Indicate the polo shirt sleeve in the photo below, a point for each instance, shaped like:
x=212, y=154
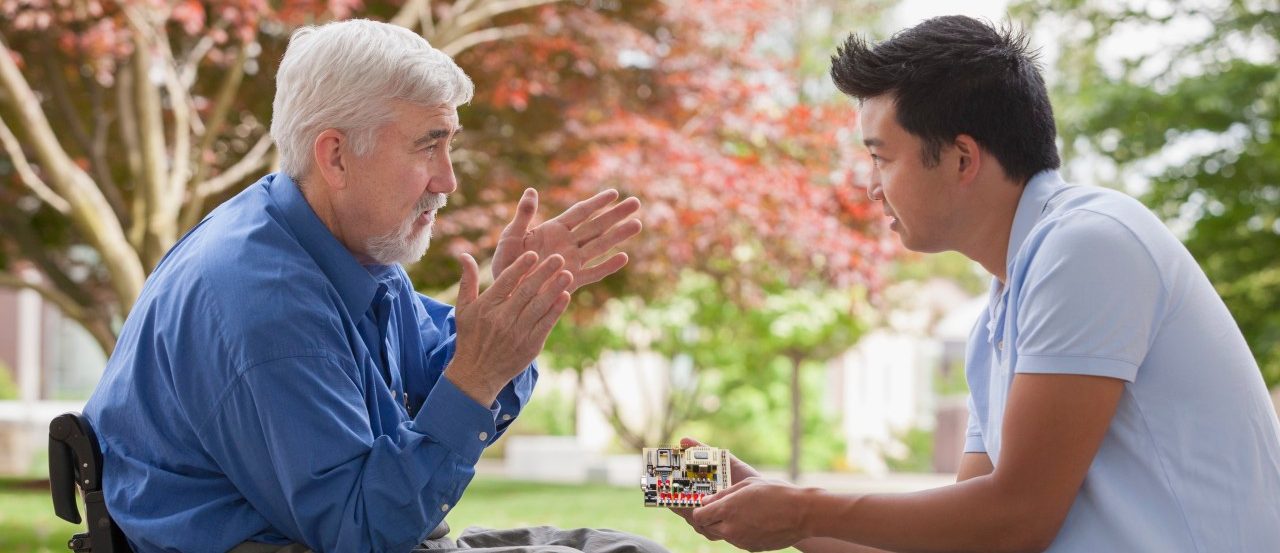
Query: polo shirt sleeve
x=973, y=433
x=1091, y=300
x=294, y=436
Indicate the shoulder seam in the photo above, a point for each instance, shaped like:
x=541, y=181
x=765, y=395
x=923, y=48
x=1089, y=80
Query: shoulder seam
x=314, y=353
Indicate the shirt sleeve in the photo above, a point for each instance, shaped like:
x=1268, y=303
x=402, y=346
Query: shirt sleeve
x=1091, y=300
x=973, y=433
x=294, y=436
x=439, y=321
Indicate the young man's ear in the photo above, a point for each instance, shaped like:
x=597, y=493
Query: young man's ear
x=968, y=158
x=329, y=151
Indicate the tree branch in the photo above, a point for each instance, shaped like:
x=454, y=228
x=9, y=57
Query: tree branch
x=129, y=133
x=410, y=13
x=462, y=43
x=64, y=302
x=98, y=152
x=29, y=176
x=15, y=225
x=252, y=161
x=465, y=22
x=66, y=305
x=226, y=95
x=90, y=213
x=155, y=167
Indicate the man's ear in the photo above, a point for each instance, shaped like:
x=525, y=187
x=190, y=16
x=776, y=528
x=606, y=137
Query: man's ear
x=329, y=153
x=969, y=158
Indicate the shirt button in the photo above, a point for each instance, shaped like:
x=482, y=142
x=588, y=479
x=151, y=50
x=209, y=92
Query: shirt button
x=444, y=508
x=506, y=417
x=484, y=436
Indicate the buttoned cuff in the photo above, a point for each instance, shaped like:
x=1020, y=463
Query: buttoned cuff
x=456, y=421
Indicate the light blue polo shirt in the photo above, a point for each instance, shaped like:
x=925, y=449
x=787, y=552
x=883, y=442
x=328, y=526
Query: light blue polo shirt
x=1097, y=285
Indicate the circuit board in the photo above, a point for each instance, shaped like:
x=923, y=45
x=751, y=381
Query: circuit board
x=683, y=477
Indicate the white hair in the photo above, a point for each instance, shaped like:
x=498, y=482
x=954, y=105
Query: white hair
x=344, y=75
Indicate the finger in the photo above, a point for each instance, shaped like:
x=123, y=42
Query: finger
x=533, y=282
x=716, y=497
x=583, y=210
x=618, y=234
x=706, y=515
x=525, y=210
x=597, y=225
x=542, y=328
x=469, y=285
x=690, y=442
x=510, y=277
x=597, y=273
x=545, y=298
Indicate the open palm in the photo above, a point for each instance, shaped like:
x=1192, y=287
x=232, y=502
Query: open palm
x=581, y=235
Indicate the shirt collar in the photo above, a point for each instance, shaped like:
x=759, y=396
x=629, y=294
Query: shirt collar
x=353, y=282
x=1035, y=199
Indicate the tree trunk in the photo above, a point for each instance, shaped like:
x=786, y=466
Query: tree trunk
x=797, y=424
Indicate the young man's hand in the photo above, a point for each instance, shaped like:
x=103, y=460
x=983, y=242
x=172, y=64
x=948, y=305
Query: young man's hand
x=738, y=471
x=756, y=514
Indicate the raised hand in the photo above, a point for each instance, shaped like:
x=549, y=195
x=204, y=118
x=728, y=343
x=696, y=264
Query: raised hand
x=582, y=234
x=502, y=330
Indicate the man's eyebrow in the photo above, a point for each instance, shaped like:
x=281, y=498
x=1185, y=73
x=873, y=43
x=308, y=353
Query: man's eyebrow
x=436, y=134
x=873, y=142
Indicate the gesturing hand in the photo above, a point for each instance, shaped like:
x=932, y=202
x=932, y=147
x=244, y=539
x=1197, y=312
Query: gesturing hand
x=580, y=235
x=502, y=330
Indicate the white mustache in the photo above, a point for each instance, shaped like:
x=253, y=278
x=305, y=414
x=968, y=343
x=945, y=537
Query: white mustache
x=432, y=202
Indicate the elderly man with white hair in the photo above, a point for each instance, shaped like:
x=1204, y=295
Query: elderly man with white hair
x=280, y=386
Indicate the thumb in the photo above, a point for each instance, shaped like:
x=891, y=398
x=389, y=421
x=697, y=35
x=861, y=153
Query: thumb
x=469, y=286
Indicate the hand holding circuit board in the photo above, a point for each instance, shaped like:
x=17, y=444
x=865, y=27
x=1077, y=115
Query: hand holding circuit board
x=681, y=477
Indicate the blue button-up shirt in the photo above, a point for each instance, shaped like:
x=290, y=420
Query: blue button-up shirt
x=1096, y=285
x=268, y=387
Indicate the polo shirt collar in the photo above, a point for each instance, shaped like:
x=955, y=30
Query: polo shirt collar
x=1035, y=199
x=353, y=282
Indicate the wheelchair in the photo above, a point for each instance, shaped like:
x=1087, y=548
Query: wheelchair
x=75, y=461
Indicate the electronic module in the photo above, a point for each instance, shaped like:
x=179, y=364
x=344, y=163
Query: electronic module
x=682, y=477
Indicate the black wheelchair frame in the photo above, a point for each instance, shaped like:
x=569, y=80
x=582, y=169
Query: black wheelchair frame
x=75, y=461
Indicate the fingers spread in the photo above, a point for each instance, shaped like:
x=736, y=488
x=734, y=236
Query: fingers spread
x=583, y=210
x=619, y=233
x=599, y=224
x=597, y=273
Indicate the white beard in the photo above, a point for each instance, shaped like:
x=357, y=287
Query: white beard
x=402, y=245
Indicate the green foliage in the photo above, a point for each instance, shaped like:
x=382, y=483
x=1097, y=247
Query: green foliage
x=550, y=413
x=917, y=452
x=752, y=419
x=1197, y=121
x=737, y=385
x=8, y=388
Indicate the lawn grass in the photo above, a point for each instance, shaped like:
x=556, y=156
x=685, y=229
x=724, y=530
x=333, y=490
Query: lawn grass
x=28, y=525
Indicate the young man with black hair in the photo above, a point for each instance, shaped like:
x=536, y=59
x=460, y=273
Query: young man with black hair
x=1114, y=403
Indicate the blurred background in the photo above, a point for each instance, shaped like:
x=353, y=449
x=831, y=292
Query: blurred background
x=767, y=309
